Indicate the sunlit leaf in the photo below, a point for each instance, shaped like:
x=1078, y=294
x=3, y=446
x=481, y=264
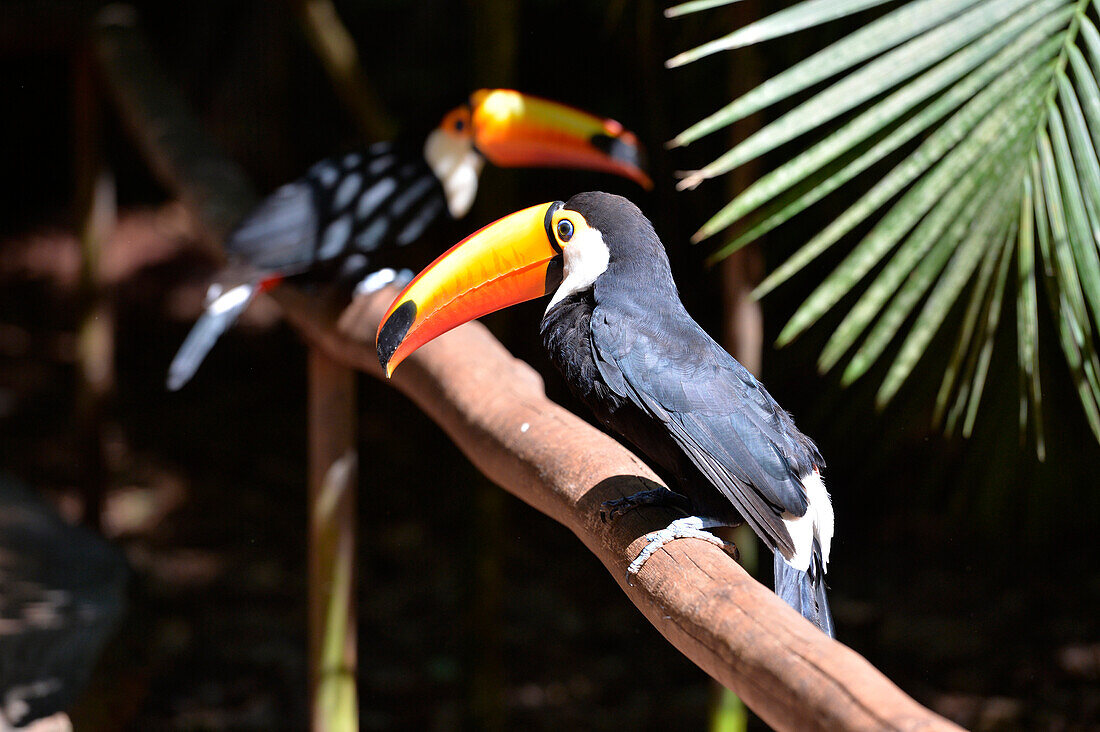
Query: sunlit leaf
x=695, y=6
x=1068, y=298
x=863, y=84
x=1084, y=166
x=775, y=182
x=867, y=42
x=1092, y=41
x=956, y=168
x=789, y=20
x=916, y=165
x=986, y=337
x=1027, y=320
x=999, y=104
x=943, y=296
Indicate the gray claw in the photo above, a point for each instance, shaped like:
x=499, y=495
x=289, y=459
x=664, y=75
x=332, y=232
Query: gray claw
x=692, y=527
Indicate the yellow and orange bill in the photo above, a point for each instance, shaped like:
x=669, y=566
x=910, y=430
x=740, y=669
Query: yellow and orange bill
x=512, y=260
x=512, y=129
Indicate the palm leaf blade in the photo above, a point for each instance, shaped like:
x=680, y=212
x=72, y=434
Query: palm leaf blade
x=901, y=101
x=921, y=258
x=789, y=20
x=993, y=315
x=954, y=166
x=696, y=6
x=992, y=224
x=1084, y=154
x=974, y=309
x=1089, y=93
x=1092, y=40
x=1027, y=320
x=867, y=42
x=1076, y=233
x=1065, y=289
x=863, y=84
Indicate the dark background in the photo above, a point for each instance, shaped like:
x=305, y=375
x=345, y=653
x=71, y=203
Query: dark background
x=965, y=570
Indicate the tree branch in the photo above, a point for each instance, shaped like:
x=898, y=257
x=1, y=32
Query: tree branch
x=494, y=408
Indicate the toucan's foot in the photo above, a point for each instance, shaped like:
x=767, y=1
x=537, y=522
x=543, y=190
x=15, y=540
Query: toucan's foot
x=662, y=497
x=375, y=281
x=692, y=527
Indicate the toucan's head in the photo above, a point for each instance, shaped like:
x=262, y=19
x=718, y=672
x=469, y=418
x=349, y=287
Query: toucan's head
x=510, y=129
x=552, y=248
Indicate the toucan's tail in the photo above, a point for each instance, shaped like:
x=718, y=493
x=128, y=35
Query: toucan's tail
x=223, y=308
x=805, y=591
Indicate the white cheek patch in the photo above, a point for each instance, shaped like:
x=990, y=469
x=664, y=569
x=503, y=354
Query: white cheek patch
x=457, y=165
x=817, y=523
x=585, y=258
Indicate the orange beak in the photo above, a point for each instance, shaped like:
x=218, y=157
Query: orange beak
x=512, y=129
x=509, y=261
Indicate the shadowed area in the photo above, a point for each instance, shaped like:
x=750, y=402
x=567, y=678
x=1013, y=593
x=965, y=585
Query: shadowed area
x=62, y=594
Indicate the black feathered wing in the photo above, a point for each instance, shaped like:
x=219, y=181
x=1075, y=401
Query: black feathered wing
x=718, y=415
x=332, y=218
x=352, y=204
x=278, y=237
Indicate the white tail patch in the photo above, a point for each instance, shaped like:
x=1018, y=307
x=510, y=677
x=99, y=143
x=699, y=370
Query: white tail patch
x=223, y=302
x=817, y=523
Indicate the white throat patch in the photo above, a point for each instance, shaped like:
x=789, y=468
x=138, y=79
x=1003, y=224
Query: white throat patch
x=585, y=258
x=457, y=165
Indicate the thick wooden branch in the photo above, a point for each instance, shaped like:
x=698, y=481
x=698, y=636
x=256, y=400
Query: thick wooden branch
x=494, y=408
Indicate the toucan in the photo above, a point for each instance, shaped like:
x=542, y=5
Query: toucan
x=617, y=331
x=328, y=224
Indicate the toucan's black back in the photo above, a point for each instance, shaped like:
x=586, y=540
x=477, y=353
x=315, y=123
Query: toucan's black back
x=342, y=210
x=632, y=353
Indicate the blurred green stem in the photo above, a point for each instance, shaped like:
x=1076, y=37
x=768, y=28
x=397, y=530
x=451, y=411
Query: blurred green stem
x=333, y=471
x=332, y=425
x=96, y=214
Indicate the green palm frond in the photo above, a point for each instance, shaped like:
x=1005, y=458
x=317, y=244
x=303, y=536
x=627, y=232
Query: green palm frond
x=995, y=106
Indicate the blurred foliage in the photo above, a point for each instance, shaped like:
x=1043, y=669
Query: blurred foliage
x=996, y=107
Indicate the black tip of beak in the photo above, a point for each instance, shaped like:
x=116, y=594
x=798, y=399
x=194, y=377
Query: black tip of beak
x=615, y=148
x=394, y=330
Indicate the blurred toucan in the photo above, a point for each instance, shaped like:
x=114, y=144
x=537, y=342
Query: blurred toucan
x=617, y=331
x=328, y=223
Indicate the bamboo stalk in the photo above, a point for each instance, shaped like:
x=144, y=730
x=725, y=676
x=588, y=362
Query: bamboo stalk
x=332, y=423
x=96, y=217
x=333, y=656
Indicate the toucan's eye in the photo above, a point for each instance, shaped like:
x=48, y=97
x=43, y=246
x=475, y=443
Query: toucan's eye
x=457, y=121
x=565, y=230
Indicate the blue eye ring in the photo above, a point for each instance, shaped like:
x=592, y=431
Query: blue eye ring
x=565, y=229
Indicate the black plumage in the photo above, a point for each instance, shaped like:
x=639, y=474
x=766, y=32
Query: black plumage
x=349, y=204
x=631, y=352
x=333, y=223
